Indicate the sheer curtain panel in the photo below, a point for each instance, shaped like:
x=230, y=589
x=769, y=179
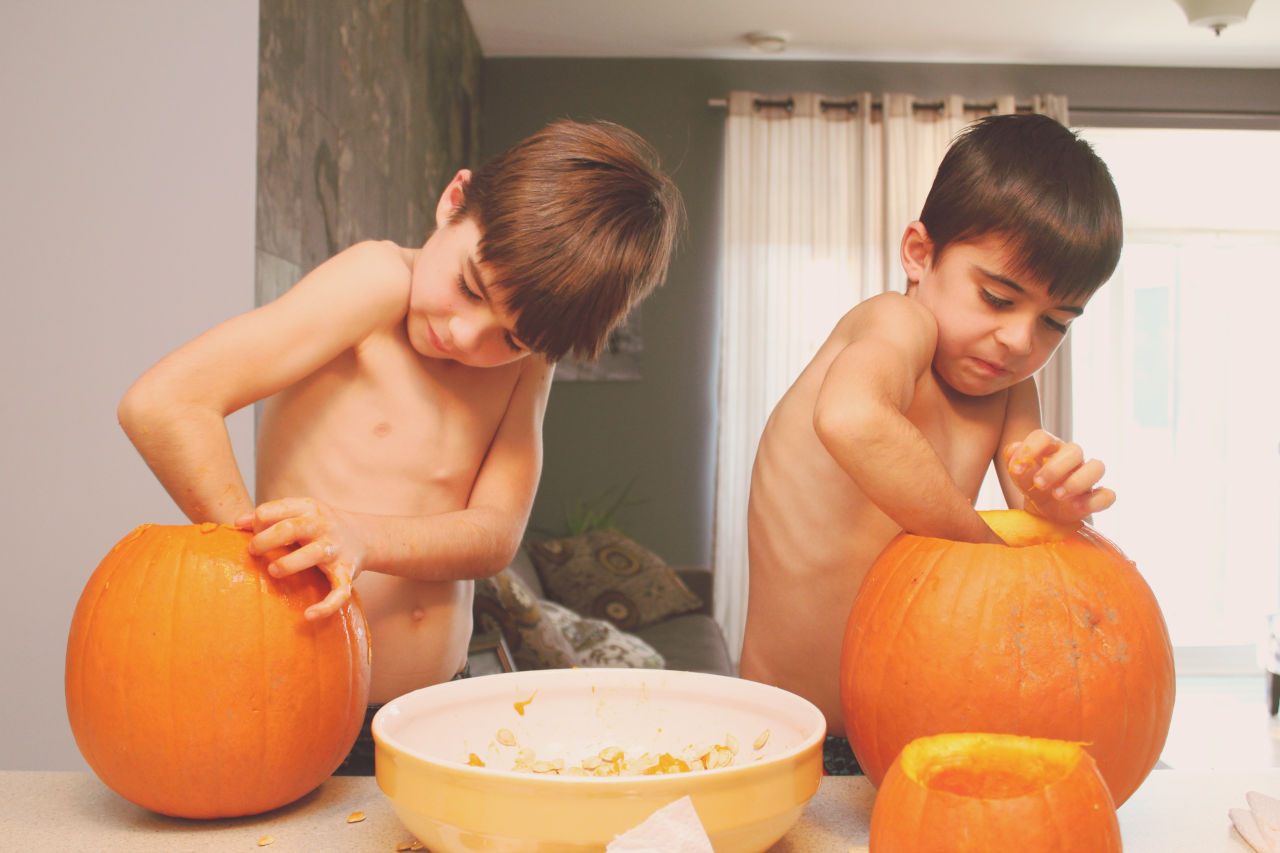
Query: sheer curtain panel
x=817, y=192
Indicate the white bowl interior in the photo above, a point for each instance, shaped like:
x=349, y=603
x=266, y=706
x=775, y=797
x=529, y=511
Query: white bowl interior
x=571, y=715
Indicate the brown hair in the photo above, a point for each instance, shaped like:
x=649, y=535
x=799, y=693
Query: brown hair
x=578, y=223
x=1031, y=180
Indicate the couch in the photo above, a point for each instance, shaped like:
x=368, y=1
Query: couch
x=600, y=599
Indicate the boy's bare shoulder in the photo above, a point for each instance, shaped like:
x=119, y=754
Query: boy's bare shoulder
x=890, y=315
x=372, y=273
x=378, y=259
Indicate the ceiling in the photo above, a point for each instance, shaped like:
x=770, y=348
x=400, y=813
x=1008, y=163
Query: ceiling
x=1065, y=32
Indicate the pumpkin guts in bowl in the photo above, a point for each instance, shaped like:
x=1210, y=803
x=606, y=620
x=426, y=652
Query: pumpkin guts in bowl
x=593, y=755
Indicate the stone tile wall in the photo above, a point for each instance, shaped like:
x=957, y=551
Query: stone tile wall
x=366, y=108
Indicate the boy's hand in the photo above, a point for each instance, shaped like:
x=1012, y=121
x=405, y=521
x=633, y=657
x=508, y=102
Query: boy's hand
x=1056, y=481
x=317, y=535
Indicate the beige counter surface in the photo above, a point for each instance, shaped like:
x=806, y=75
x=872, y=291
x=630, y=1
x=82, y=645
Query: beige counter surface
x=1173, y=812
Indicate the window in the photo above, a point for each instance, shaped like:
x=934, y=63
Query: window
x=1174, y=374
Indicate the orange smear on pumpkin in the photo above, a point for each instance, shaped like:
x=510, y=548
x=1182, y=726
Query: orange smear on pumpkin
x=520, y=706
x=474, y=761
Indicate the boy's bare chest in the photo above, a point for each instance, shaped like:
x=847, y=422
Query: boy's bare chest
x=383, y=427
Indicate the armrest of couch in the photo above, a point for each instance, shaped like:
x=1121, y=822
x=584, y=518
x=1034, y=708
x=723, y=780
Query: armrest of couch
x=701, y=583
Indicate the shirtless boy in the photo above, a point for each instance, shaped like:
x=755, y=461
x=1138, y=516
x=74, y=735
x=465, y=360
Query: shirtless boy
x=399, y=445
x=893, y=424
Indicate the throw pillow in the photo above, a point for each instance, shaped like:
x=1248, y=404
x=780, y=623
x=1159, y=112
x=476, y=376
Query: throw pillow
x=605, y=575
x=598, y=643
x=505, y=603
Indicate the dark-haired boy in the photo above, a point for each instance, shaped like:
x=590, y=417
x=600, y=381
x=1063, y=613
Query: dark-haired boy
x=399, y=445
x=894, y=422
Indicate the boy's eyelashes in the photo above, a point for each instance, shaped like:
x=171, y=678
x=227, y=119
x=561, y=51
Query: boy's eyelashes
x=995, y=301
x=471, y=295
x=1000, y=302
x=467, y=291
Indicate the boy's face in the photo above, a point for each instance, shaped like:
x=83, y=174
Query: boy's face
x=455, y=312
x=996, y=327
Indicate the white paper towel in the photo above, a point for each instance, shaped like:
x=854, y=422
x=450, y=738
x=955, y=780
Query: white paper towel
x=1259, y=824
x=674, y=828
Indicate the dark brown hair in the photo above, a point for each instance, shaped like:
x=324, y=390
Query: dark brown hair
x=1034, y=182
x=578, y=224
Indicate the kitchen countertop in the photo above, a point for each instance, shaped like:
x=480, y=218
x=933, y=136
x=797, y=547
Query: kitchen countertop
x=1173, y=812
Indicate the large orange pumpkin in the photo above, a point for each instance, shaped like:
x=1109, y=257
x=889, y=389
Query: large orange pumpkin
x=1055, y=635
x=194, y=685
x=993, y=793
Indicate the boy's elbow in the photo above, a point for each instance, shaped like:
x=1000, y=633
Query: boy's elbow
x=841, y=426
x=830, y=422
x=138, y=410
x=129, y=411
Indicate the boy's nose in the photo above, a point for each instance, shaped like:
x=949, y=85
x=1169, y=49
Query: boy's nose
x=472, y=329
x=1017, y=336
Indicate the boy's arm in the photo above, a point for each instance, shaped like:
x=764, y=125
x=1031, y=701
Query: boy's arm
x=860, y=417
x=473, y=542
x=174, y=413
x=1041, y=473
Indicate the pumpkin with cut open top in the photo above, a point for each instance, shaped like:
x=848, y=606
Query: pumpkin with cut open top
x=1053, y=635
x=993, y=793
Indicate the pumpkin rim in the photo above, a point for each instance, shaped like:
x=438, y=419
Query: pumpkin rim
x=1038, y=763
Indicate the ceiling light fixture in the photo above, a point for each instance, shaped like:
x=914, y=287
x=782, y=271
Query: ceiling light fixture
x=772, y=42
x=1217, y=15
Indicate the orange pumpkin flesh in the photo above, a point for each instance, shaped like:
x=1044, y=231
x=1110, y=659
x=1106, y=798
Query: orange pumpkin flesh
x=194, y=685
x=1057, y=638
x=993, y=793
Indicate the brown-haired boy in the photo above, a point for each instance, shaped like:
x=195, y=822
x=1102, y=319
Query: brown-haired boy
x=399, y=445
x=894, y=422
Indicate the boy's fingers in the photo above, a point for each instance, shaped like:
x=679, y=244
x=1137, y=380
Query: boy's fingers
x=1060, y=466
x=331, y=603
x=273, y=512
x=311, y=554
x=1022, y=455
x=290, y=531
x=1084, y=478
x=1097, y=501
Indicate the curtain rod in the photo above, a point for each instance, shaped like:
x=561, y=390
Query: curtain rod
x=788, y=104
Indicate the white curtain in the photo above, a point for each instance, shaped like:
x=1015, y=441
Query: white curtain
x=817, y=192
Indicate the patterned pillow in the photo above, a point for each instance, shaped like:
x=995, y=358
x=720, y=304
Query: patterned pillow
x=605, y=575
x=504, y=602
x=598, y=643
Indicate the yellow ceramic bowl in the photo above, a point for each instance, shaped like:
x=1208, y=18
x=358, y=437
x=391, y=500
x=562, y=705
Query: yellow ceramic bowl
x=430, y=745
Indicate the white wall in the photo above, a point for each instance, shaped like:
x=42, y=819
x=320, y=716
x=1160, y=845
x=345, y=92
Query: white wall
x=127, y=167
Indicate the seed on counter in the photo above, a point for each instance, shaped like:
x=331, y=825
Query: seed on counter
x=506, y=738
x=762, y=740
x=355, y=817
x=266, y=839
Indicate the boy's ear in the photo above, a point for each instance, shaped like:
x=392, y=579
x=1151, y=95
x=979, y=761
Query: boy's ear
x=451, y=198
x=917, y=251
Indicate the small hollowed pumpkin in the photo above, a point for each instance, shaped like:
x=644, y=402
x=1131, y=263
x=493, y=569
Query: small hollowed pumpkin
x=1053, y=635
x=993, y=793
x=196, y=688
